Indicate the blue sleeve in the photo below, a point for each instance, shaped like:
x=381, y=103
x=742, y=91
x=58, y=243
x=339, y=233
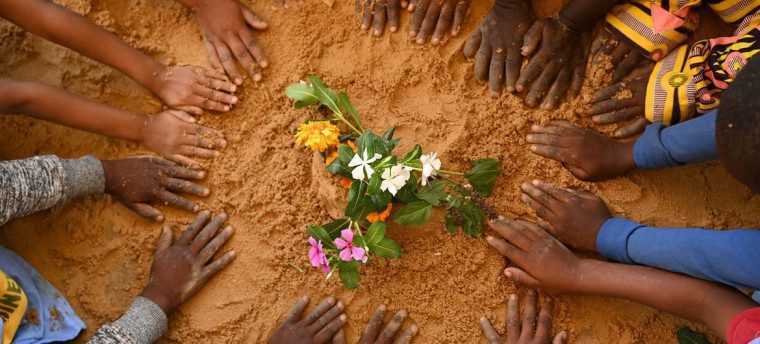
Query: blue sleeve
x=687, y=142
x=727, y=256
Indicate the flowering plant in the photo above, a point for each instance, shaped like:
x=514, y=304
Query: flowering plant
x=377, y=181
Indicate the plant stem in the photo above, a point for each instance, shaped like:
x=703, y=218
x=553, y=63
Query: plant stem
x=343, y=118
x=359, y=230
x=453, y=173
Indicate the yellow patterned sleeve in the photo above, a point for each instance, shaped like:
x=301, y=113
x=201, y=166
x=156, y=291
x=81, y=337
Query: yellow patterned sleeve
x=732, y=11
x=13, y=304
x=670, y=90
x=635, y=21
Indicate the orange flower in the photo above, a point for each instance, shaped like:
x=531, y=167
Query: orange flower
x=318, y=135
x=345, y=183
x=380, y=217
x=352, y=145
x=331, y=157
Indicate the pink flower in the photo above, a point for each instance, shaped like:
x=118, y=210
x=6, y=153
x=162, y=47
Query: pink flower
x=317, y=256
x=348, y=251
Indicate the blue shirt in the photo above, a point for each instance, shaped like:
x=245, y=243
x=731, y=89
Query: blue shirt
x=687, y=142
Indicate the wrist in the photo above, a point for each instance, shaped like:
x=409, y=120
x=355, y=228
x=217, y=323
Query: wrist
x=156, y=296
x=193, y=5
x=108, y=175
x=624, y=150
x=151, y=75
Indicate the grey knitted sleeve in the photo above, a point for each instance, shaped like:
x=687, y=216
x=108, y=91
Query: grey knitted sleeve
x=30, y=185
x=143, y=323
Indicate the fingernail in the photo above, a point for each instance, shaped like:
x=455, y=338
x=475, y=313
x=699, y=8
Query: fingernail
x=519, y=88
x=257, y=77
x=342, y=317
x=413, y=328
x=402, y=313
x=535, y=127
x=226, y=108
x=234, y=89
x=529, y=137
x=234, y=100
x=305, y=298
x=394, y=29
x=377, y=33
x=339, y=305
x=524, y=186
x=412, y=34
x=510, y=89
x=160, y=218
x=533, y=148
x=435, y=41
x=201, y=174
x=563, y=335
x=238, y=81
x=264, y=64
x=512, y=297
x=217, y=154
x=508, y=274
x=525, y=198
x=536, y=182
x=206, y=192
x=489, y=238
x=420, y=41
x=365, y=27
x=501, y=218
x=196, y=208
x=223, y=143
x=330, y=300
x=382, y=307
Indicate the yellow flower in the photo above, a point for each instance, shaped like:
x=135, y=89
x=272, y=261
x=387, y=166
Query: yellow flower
x=318, y=135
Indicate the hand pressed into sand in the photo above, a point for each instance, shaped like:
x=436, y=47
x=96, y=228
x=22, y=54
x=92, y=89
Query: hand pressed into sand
x=376, y=14
x=323, y=325
x=438, y=18
x=193, y=89
x=620, y=103
x=378, y=332
x=174, y=135
x=525, y=329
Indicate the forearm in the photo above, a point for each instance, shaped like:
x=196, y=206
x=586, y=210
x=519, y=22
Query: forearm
x=58, y=106
x=143, y=323
x=683, y=296
x=67, y=28
x=582, y=15
x=510, y=4
x=40, y=183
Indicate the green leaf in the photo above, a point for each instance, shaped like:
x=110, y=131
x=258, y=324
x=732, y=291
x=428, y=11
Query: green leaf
x=325, y=95
x=371, y=143
x=333, y=228
x=415, y=213
x=451, y=222
x=321, y=234
x=388, y=134
x=380, y=200
x=386, y=248
x=413, y=154
x=349, y=274
x=358, y=202
x=345, y=153
x=686, y=336
x=407, y=193
x=483, y=175
x=472, y=218
x=375, y=233
x=302, y=94
x=349, y=108
x=374, y=184
x=339, y=167
x=433, y=193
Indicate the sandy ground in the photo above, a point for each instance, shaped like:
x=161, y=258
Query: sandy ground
x=98, y=253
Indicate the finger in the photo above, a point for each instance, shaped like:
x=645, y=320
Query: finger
x=560, y=338
x=491, y=335
x=533, y=70
x=420, y=8
x=544, y=330
x=407, y=335
x=619, y=115
x=521, y=277
x=607, y=92
x=183, y=116
x=550, y=152
x=378, y=22
x=297, y=310
x=225, y=58
x=611, y=105
x=204, y=137
x=472, y=44
x=635, y=127
x=599, y=41
x=184, y=161
x=394, y=15
x=216, y=75
x=214, y=268
x=428, y=24
x=460, y=12
x=323, y=307
x=506, y=249
x=557, y=128
x=541, y=86
x=177, y=201
x=483, y=61
x=626, y=66
x=532, y=38
x=540, y=201
x=579, y=71
x=558, y=90
x=184, y=186
x=187, y=111
x=444, y=22
x=506, y=230
x=165, y=240
x=340, y=337
x=386, y=336
x=513, y=65
x=528, y=317
x=226, y=86
x=330, y=330
x=374, y=326
x=254, y=49
x=216, y=96
x=198, y=152
x=184, y=173
x=213, y=57
x=496, y=72
x=513, y=319
x=146, y=211
x=412, y=5
x=254, y=20
x=561, y=194
x=208, y=232
x=243, y=57
x=619, y=53
x=192, y=230
x=326, y=318
x=369, y=6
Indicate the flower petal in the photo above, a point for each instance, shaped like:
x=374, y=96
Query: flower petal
x=340, y=243
x=347, y=234
x=312, y=242
x=355, y=161
x=358, y=173
x=345, y=255
x=357, y=253
x=370, y=171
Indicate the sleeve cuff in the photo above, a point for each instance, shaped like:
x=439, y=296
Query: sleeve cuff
x=145, y=322
x=83, y=177
x=649, y=151
x=612, y=240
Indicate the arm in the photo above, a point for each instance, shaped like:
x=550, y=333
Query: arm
x=688, y=142
x=143, y=323
x=582, y=15
x=40, y=183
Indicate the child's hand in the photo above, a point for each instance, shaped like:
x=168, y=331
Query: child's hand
x=229, y=27
x=375, y=14
x=138, y=182
x=322, y=325
x=436, y=17
x=587, y=154
x=174, y=135
x=542, y=261
x=523, y=330
x=496, y=45
x=192, y=89
x=557, y=63
x=575, y=217
x=624, y=55
x=376, y=333
x=607, y=107
x=182, y=268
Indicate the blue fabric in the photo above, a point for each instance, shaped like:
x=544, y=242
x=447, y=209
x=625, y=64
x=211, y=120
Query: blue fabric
x=729, y=256
x=756, y=296
x=687, y=142
x=60, y=325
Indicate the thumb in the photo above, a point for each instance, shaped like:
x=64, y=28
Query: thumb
x=560, y=338
x=253, y=20
x=521, y=277
x=146, y=211
x=165, y=240
x=184, y=116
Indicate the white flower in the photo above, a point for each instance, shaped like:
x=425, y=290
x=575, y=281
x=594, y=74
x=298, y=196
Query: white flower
x=395, y=178
x=430, y=166
x=362, y=165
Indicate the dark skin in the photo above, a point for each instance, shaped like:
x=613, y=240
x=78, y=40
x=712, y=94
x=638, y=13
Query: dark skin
x=557, y=63
x=587, y=154
x=439, y=18
x=378, y=332
x=574, y=217
x=628, y=113
x=139, y=182
x=377, y=14
x=541, y=261
x=182, y=267
x=624, y=54
x=229, y=29
x=525, y=329
x=496, y=43
x=324, y=324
